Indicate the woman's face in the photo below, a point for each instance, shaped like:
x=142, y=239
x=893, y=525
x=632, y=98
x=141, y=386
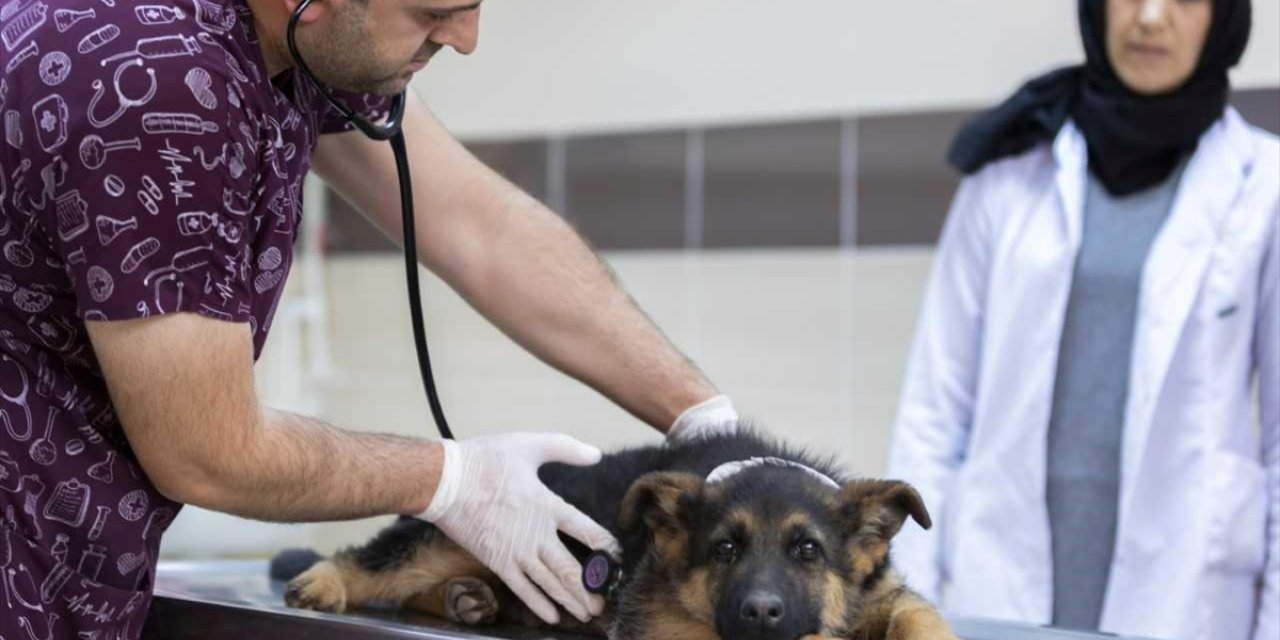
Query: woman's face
x=1154, y=45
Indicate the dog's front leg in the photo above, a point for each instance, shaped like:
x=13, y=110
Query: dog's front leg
x=914, y=619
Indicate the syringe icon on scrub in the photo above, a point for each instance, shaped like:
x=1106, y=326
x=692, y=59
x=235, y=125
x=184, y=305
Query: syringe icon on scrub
x=161, y=47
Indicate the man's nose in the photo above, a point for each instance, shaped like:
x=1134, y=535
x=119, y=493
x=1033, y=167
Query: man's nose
x=461, y=33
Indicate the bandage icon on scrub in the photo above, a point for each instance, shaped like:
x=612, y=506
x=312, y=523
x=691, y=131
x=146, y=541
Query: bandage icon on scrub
x=188, y=123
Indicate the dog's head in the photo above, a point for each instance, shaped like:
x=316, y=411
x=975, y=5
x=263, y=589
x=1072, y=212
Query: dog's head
x=771, y=552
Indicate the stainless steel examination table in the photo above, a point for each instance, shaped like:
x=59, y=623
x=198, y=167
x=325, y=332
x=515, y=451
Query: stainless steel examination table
x=236, y=601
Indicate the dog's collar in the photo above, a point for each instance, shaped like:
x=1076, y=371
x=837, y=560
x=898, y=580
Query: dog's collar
x=729, y=469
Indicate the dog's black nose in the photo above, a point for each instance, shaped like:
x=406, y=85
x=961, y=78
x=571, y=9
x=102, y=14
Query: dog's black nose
x=762, y=611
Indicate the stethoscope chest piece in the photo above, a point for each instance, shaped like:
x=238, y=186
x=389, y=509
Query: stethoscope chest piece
x=601, y=574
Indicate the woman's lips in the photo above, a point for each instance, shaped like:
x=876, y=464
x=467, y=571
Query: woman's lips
x=1142, y=50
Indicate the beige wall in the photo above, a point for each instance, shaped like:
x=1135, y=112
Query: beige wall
x=576, y=65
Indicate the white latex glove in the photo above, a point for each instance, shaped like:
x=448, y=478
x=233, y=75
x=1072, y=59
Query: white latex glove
x=714, y=416
x=491, y=503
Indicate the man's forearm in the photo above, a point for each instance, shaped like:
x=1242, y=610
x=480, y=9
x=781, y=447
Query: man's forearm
x=296, y=469
x=539, y=282
x=519, y=264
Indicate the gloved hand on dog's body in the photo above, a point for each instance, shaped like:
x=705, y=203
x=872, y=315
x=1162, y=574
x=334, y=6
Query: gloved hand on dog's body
x=491, y=502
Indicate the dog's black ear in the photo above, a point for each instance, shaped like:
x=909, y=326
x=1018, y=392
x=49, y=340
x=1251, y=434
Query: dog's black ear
x=662, y=502
x=878, y=508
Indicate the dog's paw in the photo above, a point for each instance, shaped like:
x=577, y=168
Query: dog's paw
x=470, y=601
x=319, y=588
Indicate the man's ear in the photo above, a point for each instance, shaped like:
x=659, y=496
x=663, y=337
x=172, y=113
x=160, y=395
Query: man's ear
x=878, y=508
x=316, y=10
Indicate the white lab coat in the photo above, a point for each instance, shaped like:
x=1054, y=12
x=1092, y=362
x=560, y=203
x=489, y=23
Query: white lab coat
x=1196, y=551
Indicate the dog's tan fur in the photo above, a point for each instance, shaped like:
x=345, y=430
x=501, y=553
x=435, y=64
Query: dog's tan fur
x=671, y=597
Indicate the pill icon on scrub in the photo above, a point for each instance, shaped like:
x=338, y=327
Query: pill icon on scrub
x=114, y=185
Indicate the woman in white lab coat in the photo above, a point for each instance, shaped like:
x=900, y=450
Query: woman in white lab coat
x=1078, y=411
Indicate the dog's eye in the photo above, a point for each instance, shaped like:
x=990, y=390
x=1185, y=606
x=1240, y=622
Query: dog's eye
x=726, y=552
x=807, y=551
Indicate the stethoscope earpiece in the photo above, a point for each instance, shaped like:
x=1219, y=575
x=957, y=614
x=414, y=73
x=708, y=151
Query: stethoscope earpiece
x=383, y=132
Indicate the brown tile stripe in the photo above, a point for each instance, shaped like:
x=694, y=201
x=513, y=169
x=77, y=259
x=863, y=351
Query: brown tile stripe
x=769, y=185
x=627, y=191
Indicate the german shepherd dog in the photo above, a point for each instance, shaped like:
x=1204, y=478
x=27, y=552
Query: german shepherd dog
x=784, y=547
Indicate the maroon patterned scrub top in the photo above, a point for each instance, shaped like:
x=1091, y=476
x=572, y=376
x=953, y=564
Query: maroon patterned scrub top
x=148, y=167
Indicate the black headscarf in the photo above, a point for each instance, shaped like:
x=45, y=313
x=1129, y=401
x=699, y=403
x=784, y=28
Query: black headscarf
x=1134, y=141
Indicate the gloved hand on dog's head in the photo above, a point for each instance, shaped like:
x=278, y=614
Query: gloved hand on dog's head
x=711, y=417
x=491, y=503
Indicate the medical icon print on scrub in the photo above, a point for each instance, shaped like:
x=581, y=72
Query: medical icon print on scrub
x=94, y=150
x=101, y=286
x=123, y=102
x=96, y=39
x=42, y=451
x=138, y=253
x=104, y=471
x=55, y=66
x=150, y=195
x=124, y=117
x=22, y=25
x=64, y=19
x=159, y=47
x=133, y=506
x=13, y=128
x=69, y=502
x=19, y=400
x=110, y=228
x=187, y=123
x=28, y=52
x=113, y=185
x=99, y=523
x=72, y=216
x=51, y=116
x=199, y=82
x=214, y=17
x=156, y=14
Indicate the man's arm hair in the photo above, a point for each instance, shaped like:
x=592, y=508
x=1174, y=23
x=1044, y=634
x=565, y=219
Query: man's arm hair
x=519, y=264
x=182, y=386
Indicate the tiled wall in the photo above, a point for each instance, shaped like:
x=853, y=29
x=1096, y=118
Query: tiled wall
x=865, y=181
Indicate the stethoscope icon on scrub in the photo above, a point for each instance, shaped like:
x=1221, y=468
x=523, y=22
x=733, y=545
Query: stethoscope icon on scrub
x=126, y=102
x=20, y=400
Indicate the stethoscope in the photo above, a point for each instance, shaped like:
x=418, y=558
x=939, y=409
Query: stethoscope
x=126, y=102
x=389, y=132
x=19, y=400
x=601, y=574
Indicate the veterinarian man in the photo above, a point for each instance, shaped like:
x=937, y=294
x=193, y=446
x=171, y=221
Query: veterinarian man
x=1079, y=409
x=150, y=185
